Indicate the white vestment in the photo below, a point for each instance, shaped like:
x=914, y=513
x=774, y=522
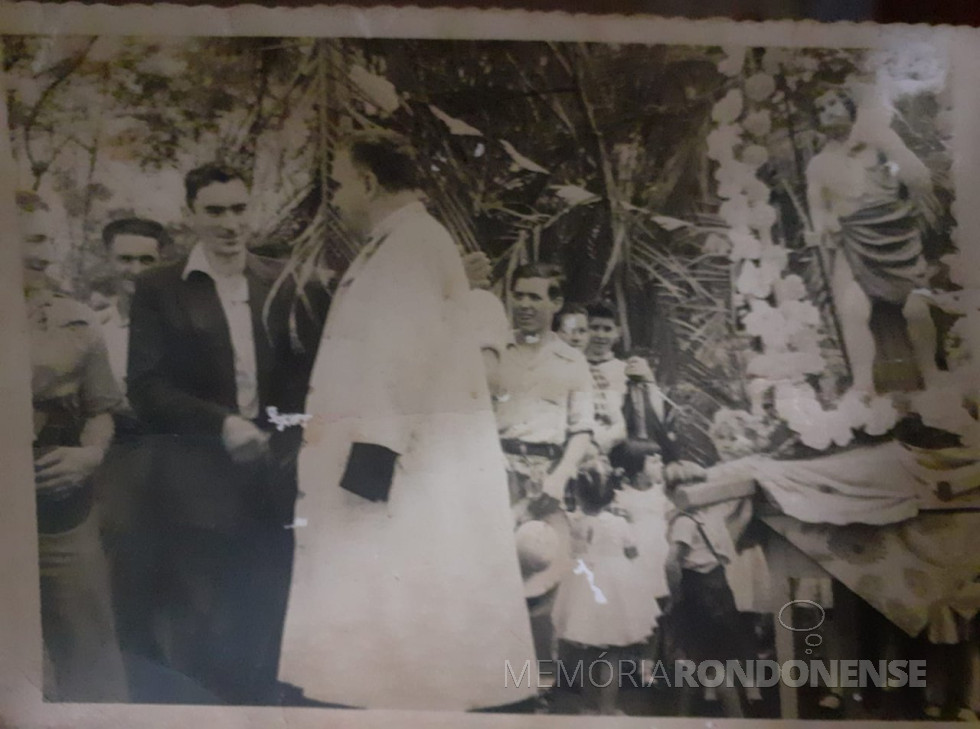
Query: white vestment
x=415, y=603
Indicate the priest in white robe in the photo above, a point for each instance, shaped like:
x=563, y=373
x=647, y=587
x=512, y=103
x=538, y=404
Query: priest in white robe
x=407, y=593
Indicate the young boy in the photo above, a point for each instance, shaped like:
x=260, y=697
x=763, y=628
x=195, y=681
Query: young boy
x=703, y=615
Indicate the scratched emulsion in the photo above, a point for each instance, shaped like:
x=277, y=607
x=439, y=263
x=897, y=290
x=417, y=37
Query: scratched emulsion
x=583, y=569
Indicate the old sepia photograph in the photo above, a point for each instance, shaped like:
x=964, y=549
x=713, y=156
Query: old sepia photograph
x=522, y=377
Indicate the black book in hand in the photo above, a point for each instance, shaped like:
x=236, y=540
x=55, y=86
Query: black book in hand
x=370, y=470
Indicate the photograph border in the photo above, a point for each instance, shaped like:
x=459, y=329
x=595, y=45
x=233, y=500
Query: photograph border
x=20, y=641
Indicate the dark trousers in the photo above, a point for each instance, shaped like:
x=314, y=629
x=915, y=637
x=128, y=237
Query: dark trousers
x=706, y=618
x=225, y=608
x=130, y=530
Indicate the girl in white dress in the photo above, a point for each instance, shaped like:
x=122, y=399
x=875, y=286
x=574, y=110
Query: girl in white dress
x=596, y=608
x=645, y=505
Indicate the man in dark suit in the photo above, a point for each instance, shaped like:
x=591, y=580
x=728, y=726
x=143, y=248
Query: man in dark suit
x=210, y=354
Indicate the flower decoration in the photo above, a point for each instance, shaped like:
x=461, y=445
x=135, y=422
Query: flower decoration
x=758, y=123
x=772, y=303
x=760, y=87
x=728, y=110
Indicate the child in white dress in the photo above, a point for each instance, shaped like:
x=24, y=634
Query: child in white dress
x=596, y=609
x=645, y=505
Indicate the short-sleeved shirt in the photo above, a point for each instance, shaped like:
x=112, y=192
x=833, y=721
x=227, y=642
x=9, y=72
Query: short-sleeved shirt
x=71, y=377
x=690, y=529
x=548, y=393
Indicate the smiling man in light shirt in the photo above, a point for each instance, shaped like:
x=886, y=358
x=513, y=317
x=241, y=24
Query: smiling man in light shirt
x=207, y=359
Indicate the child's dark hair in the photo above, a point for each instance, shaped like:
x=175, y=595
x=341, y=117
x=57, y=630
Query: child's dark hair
x=595, y=484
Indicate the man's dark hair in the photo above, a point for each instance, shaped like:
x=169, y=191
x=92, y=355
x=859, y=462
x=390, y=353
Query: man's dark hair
x=387, y=155
x=550, y=271
x=845, y=99
x=602, y=310
x=209, y=174
x=137, y=226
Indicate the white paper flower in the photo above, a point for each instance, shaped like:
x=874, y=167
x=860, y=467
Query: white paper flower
x=752, y=282
x=717, y=245
x=758, y=123
x=762, y=216
x=728, y=109
x=722, y=142
x=776, y=256
x=798, y=405
x=734, y=61
x=767, y=323
x=743, y=246
x=803, y=313
x=734, y=178
x=882, y=416
x=838, y=427
x=789, y=288
x=755, y=155
x=774, y=59
x=805, y=339
x=735, y=212
x=760, y=87
x=757, y=191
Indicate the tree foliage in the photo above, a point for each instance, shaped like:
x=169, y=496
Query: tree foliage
x=605, y=158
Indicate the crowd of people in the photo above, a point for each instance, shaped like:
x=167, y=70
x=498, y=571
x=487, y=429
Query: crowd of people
x=170, y=502
x=253, y=488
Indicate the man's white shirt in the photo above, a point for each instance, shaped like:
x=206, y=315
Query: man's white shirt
x=233, y=294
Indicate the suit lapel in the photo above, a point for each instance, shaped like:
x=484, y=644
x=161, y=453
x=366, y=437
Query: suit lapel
x=200, y=300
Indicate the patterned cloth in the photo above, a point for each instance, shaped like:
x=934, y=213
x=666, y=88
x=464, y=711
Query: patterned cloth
x=919, y=574
x=873, y=485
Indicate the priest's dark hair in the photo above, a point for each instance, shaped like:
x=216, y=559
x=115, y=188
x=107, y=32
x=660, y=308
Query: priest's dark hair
x=137, y=226
x=389, y=156
x=551, y=271
x=209, y=174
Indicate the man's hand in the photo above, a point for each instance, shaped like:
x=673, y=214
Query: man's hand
x=243, y=440
x=478, y=267
x=637, y=368
x=553, y=485
x=66, y=467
